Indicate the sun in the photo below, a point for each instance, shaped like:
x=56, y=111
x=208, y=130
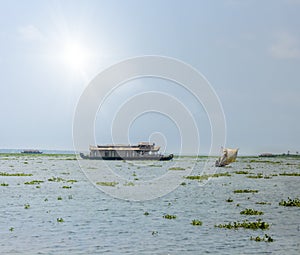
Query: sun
x=75, y=56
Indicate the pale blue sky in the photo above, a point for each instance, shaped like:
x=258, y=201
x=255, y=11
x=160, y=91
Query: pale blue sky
x=248, y=50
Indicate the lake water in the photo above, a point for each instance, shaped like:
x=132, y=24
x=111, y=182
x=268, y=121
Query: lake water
x=94, y=222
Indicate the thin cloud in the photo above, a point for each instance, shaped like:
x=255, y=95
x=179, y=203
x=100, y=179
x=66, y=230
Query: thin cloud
x=286, y=47
x=30, y=33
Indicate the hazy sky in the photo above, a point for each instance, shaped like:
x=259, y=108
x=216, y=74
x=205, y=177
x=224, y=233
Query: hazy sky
x=249, y=51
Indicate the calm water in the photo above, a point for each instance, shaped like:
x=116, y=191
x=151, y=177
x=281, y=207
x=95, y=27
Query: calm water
x=96, y=223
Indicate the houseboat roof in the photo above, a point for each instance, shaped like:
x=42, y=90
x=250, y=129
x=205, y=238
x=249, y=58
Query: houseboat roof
x=143, y=146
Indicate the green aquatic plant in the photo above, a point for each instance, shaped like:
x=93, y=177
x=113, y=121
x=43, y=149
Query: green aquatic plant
x=56, y=179
x=290, y=202
x=169, y=216
x=60, y=220
x=245, y=191
x=26, y=206
x=196, y=223
x=4, y=184
x=206, y=177
x=59, y=198
x=66, y=187
x=249, y=211
x=11, y=229
x=265, y=238
x=108, y=184
x=265, y=161
x=229, y=200
x=72, y=181
x=183, y=183
x=177, y=168
x=263, y=203
x=245, y=224
x=241, y=172
x=14, y=174
x=146, y=213
x=33, y=182
x=289, y=174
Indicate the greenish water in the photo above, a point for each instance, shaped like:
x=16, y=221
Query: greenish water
x=48, y=206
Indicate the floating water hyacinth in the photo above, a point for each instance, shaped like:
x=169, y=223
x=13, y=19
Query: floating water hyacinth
x=245, y=191
x=169, y=216
x=245, y=224
x=177, y=168
x=196, y=223
x=265, y=238
x=33, y=182
x=108, y=184
x=14, y=174
x=251, y=212
x=289, y=174
x=290, y=202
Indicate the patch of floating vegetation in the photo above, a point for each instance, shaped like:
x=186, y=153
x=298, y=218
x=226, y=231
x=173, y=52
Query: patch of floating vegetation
x=183, y=183
x=146, y=213
x=290, y=202
x=196, y=223
x=265, y=238
x=108, y=184
x=245, y=191
x=26, y=206
x=129, y=184
x=4, y=184
x=229, y=200
x=59, y=198
x=71, y=181
x=289, y=174
x=264, y=161
x=205, y=177
x=56, y=179
x=245, y=224
x=11, y=229
x=177, y=168
x=154, y=165
x=263, y=203
x=169, y=216
x=14, y=174
x=67, y=187
x=249, y=211
x=60, y=220
x=33, y=182
x=241, y=172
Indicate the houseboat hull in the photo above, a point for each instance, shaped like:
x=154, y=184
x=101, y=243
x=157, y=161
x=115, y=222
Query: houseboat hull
x=155, y=157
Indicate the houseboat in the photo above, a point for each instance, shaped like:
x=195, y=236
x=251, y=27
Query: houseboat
x=141, y=151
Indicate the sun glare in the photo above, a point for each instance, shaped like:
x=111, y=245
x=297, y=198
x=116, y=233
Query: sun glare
x=75, y=56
